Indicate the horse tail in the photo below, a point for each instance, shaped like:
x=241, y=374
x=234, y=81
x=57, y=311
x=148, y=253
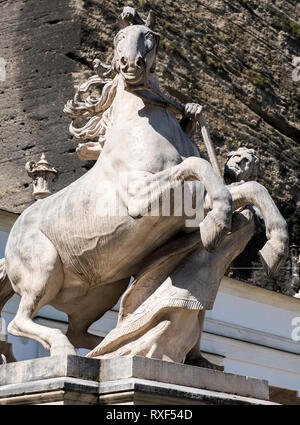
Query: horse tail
x=6, y=290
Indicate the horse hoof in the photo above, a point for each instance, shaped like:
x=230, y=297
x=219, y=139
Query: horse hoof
x=272, y=259
x=212, y=231
x=63, y=351
x=240, y=219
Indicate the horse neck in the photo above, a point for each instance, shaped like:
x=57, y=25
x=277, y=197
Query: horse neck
x=132, y=102
x=125, y=104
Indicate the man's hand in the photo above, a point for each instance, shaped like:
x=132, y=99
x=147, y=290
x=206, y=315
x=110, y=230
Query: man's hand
x=192, y=114
x=193, y=111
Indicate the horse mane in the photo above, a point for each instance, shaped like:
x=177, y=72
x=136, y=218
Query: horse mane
x=95, y=110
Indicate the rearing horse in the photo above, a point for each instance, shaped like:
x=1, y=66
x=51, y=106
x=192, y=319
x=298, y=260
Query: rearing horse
x=62, y=252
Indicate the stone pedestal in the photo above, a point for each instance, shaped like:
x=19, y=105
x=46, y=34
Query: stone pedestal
x=124, y=380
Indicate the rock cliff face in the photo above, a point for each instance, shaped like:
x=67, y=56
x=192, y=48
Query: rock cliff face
x=234, y=57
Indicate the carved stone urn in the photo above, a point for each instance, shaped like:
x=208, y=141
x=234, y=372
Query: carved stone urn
x=43, y=175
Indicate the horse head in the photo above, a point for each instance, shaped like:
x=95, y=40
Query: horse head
x=135, y=53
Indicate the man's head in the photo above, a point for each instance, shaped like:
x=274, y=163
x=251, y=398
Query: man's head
x=241, y=164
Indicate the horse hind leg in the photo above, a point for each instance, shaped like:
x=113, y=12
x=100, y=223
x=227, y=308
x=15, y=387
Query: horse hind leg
x=38, y=283
x=22, y=325
x=91, y=308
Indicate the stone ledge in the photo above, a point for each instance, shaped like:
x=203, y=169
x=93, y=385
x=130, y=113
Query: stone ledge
x=53, y=384
x=123, y=380
x=142, y=391
x=49, y=367
x=185, y=375
x=62, y=390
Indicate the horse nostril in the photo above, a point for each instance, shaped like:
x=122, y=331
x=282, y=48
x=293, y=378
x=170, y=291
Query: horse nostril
x=123, y=61
x=140, y=63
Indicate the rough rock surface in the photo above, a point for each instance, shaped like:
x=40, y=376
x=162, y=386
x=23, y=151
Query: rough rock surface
x=234, y=57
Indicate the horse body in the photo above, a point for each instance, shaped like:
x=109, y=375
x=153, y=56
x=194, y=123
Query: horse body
x=96, y=250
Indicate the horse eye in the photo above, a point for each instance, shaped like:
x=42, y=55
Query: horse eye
x=150, y=36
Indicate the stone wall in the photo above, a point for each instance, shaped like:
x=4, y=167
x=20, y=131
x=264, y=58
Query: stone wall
x=234, y=57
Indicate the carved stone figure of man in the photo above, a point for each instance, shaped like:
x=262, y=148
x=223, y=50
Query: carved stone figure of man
x=241, y=165
x=153, y=300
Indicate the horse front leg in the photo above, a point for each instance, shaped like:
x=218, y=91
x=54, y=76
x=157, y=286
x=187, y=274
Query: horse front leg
x=275, y=251
x=217, y=222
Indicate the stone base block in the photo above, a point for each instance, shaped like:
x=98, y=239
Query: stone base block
x=123, y=380
x=50, y=380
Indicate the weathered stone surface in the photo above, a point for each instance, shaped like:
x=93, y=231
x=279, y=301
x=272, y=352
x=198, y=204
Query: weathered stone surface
x=49, y=367
x=36, y=40
x=61, y=390
x=144, y=145
x=235, y=58
x=75, y=380
x=179, y=374
x=140, y=391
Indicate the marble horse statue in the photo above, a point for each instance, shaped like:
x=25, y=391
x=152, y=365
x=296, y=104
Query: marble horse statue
x=73, y=251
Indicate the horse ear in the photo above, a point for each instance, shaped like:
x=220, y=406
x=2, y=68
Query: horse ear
x=150, y=21
x=129, y=16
